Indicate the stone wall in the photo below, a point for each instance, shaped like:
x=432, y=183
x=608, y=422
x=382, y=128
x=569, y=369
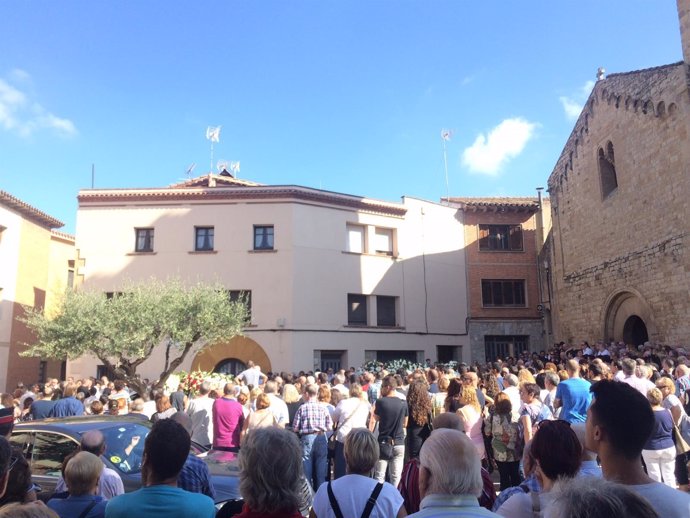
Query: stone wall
x=634, y=240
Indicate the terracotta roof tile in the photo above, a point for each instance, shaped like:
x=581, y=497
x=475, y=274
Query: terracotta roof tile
x=29, y=211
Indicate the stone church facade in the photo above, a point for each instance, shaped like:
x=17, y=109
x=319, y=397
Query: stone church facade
x=620, y=200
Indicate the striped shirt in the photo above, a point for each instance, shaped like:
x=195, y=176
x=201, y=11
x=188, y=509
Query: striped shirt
x=312, y=417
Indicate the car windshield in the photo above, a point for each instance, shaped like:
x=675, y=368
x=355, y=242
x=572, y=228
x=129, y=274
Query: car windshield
x=124, y=446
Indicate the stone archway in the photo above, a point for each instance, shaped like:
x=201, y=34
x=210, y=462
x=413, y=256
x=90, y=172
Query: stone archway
x=239, y=348
x=628, y=318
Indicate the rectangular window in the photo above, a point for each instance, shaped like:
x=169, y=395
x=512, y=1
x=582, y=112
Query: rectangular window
x=242, y=295
x=385, y=311
x=203, y=239
x=502, y=238
x=144, y=240
x=383, y=241
x=503, y=293
x=70, y=274
x=263, y=237
x=356, y=310
x=356, y=238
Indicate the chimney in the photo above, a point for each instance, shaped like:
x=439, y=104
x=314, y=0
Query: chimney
x=684, y=20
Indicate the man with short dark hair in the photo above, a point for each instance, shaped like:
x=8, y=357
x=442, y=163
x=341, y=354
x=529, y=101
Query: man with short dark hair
x=109, y=483
x=68, y=405
x=572, y=395
x=619, y=422
x=165, y=453
x=195, y=476
x=228, y=420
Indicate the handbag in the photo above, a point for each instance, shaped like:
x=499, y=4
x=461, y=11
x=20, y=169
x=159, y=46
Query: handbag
x=681, y=439
x=386, y=447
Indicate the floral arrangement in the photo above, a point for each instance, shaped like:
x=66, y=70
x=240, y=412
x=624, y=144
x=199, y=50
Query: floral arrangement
x=193, y=381
x=392, y=366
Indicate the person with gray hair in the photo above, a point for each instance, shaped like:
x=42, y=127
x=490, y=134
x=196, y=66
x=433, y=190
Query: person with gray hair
x=449, y=477
x=277, y=407
x=81, y=474
x=109, y=484
x=356, y=492
x=271, y=474
x=200, y=409
x=510, y=382
x=579, y=498
x=551, y=381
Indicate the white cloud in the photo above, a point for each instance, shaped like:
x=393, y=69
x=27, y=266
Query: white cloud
x=506, y=141
x=572, y=105
x=20, y=115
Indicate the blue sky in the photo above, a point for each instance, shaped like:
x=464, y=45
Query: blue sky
x=349, y=96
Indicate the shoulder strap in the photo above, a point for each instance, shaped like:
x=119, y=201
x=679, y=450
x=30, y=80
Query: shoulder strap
x=536, y=504
x=372, y=500
x=334, y=503
x=88, y=508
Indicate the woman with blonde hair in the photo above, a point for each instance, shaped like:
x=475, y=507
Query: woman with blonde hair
x=262, y=417
x=293, y=400
x=659, y=452
x=673, y=404
x=354, y=491
x=471, y=415
x=350, y=413
x=525, y=376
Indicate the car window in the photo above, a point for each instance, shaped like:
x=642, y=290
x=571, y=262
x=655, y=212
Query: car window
x=21, y=441
x=124, y=445
x=49, y=450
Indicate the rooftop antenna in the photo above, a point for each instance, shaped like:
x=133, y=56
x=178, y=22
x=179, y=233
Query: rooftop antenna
x=222, y=165
x=188, y=172
x=93, y=175
x=213, y=134
x=445, y=137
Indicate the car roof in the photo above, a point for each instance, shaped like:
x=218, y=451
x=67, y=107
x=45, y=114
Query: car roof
x=80, y=424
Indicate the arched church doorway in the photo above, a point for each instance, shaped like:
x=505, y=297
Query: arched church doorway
x=230, y=366
x=231, y=355
x=635, y=331
x=628, y=318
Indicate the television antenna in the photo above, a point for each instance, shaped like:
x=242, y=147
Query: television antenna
x=188, y=172
x=222, y=165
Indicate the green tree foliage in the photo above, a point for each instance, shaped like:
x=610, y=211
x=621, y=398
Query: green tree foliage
x=123, y=331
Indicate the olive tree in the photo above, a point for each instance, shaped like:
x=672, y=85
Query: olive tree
x=123, y=330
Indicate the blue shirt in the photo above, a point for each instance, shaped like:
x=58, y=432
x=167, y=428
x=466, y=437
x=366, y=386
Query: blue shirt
x=73, y=506
x=66, y=407
x=195, y=477
x=575, y=399
x=161, y=502
x=530, y=484
x=451, y=506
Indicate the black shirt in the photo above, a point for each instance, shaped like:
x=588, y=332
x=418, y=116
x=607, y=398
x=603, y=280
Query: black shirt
x=391, y=412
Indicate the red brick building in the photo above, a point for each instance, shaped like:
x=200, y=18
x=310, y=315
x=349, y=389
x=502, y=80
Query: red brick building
x=502, y=239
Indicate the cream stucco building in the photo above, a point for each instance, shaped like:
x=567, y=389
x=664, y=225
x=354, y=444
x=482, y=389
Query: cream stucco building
x=36, y=265
x=334, y=280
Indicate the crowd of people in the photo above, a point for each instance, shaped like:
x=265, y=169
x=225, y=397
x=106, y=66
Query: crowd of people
x=589, y=430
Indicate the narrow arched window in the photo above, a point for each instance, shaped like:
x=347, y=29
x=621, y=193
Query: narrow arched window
x=607, y=170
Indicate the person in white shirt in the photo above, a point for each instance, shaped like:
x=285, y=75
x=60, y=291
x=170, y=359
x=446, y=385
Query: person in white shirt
x=510, y=382
x=350, y=413
x=200, y=410
x=252, y=375
x=278, y=407
x=619, y=422
x=642, y=385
